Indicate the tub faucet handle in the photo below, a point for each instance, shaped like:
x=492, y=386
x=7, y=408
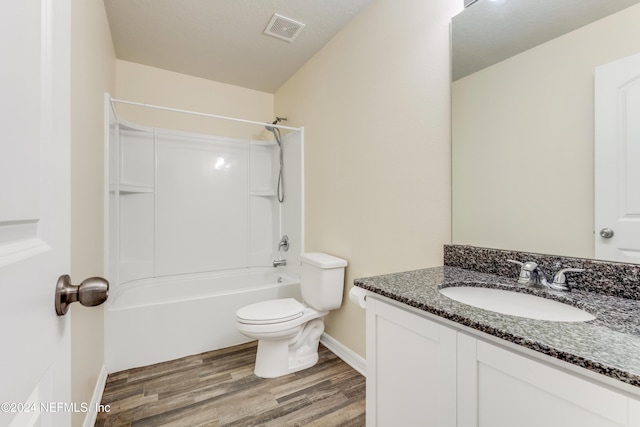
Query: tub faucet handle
x=284, y=243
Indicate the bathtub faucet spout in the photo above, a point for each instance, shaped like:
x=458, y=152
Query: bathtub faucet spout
x=278, y=262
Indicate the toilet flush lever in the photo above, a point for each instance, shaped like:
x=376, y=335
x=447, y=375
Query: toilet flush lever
x=91, y=292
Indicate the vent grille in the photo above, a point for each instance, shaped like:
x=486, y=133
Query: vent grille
x=284, y=28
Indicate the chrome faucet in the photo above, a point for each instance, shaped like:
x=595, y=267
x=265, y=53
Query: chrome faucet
x=284, y=243
x=532, y=275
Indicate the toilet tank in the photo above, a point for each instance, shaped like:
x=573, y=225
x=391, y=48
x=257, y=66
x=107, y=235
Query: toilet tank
x=322, y=280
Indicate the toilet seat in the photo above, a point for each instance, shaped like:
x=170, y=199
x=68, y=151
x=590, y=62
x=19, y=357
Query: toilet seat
x=270, y=312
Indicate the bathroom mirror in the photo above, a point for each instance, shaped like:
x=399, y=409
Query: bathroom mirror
x=522, y=119
x=489, y=31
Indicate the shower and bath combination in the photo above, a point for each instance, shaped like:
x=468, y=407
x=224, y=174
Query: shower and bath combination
x=276, y=134
x=178, y=254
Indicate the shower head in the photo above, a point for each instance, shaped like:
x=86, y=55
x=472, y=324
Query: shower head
x=275, y=122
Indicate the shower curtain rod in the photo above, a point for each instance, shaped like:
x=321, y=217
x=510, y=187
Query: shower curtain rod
x=196, y=113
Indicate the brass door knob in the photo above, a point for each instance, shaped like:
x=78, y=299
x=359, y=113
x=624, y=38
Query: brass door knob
x=91, y=292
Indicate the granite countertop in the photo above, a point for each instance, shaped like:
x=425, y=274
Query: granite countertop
x=608, y=345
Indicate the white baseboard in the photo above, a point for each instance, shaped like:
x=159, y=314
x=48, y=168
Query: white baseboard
x=92, y=413
x=350, y=357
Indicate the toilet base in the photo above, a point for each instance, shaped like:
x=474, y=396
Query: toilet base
x=276, y=358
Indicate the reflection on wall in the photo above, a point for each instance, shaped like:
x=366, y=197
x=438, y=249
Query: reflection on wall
x=523, y=142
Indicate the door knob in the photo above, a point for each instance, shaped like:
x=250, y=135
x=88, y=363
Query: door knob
x=91, y=292
x=607, y=233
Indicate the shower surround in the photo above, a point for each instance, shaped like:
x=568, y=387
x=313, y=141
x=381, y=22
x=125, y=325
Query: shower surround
x=194, y=225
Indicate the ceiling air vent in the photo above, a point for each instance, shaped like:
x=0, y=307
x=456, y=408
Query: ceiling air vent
x=283, y=28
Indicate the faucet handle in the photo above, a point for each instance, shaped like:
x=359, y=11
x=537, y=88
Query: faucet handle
x=525, y=266
x=284, y=243
x=528, y=266
x=526, y=269
x=560, y=278
x=523, y=273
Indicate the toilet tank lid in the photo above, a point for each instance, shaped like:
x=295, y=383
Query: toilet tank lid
x=320, y=260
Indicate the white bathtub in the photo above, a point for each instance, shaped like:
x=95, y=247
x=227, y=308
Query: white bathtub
x=155, y=320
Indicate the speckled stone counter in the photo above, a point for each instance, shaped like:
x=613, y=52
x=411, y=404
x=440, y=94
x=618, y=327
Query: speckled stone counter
x=617, y=279
x=608, y=345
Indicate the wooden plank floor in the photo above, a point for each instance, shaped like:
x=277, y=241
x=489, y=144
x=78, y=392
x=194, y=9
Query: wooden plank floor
x=218, y=388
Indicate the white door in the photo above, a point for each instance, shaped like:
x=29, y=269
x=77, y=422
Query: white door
x=34, y=211
x=617, y=160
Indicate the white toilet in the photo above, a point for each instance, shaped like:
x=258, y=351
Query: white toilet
x=288, y=331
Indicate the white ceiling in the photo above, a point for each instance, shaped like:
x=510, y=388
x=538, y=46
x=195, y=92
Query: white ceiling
x=223, y=40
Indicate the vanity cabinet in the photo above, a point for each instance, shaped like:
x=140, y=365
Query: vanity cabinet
x=411, y=369
x=423, y=373
x=499, y=388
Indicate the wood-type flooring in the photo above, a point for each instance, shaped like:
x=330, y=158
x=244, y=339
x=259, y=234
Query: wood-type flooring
x=218, y=388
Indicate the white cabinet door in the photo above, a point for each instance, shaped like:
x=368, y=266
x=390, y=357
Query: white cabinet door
x=498, y=388
x=617, y=156
x=411, y=369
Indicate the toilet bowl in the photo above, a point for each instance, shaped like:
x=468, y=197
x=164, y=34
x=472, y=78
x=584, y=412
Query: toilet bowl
x=288, y=331
x=285, y=344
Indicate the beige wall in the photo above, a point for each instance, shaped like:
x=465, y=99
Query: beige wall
x=523, y=142
x=375, y=106
x=141, y=83
x=92, y=73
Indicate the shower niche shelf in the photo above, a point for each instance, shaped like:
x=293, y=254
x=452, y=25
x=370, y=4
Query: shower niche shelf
x=132, y=153
x=269, y=192
x=135, y=189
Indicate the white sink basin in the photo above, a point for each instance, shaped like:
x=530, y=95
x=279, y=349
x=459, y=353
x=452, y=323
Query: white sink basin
x=516, y=304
